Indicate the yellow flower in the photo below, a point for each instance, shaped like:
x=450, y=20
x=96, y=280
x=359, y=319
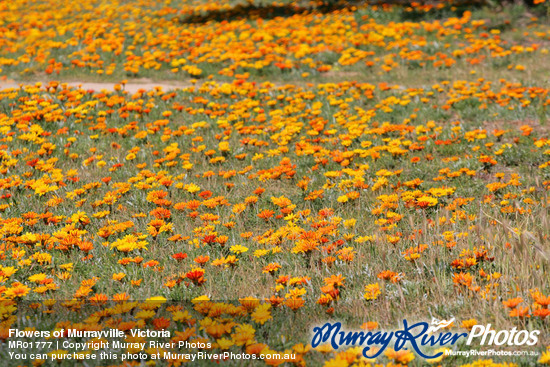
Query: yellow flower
x=129, y=243
x=145, y=314
x=118, y=276
x=223, y=146
x=469, y=324
x=402, y=356
x=261, y=314
x=243, y=335
x=17, y=290
x=225, y=343
x=440, y=358
x=342, y=199
x=42, y=258
x=181, y=316
x=8, y=271
x=37, y=278
x=238, y=249
x=67, y=267
x=372, y=291
x=336, y=362
x=192, y=188
x=350, y=223
x=545, y=358
x=426, y=201
x=261, y=252
x=238, y=208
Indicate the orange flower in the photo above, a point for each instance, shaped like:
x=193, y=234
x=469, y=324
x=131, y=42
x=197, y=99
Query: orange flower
x=520, y=312
x=266, y=214
x=180, y=256
x=513, y=302
x=161, y=323
x=542, y=300
x=196, y=276
x=271, y=268
x=294, y=303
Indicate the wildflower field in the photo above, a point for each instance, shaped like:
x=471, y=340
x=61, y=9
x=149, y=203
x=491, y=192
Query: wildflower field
x=353, y=162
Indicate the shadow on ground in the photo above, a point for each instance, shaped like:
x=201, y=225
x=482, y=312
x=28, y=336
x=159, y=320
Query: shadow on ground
x=252, y=10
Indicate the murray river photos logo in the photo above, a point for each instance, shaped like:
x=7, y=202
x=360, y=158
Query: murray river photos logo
x=418, y=336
